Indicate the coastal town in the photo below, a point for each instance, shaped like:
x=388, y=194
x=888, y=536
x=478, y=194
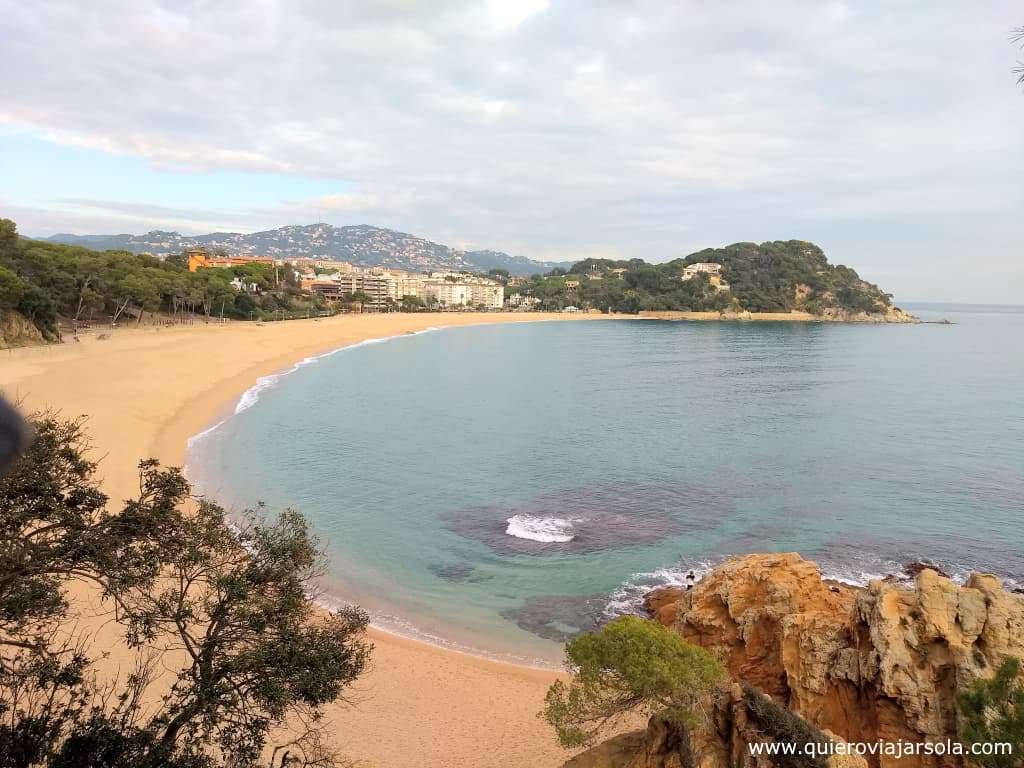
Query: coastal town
x=374, y=289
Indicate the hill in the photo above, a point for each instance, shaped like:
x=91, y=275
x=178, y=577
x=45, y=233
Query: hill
x=777, y=276
x=360, y=244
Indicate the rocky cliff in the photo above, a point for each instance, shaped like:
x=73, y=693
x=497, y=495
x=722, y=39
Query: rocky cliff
x=882, y=662
x=17, y=331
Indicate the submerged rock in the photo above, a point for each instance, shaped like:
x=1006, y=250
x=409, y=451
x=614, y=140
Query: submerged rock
x=558, y=617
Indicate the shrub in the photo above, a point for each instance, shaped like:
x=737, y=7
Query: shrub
x=993, y=712
x=629, y=665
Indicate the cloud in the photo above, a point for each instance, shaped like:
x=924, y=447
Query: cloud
x=557, y=129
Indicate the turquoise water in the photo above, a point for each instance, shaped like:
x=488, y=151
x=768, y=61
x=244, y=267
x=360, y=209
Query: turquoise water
x=641, y=451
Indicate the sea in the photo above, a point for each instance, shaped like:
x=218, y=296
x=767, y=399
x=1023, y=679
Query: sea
x=500, y=488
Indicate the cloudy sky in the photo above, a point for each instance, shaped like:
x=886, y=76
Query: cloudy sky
x=891, y=133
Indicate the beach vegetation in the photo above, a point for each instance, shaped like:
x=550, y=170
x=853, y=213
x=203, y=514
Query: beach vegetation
x=228, y=657
x=992, y=712
x=629, y=666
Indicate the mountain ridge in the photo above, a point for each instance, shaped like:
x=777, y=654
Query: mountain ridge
x=361, y=244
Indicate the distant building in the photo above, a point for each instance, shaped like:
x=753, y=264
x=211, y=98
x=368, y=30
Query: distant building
x=572, y=285
x=402, y=284
x=309, y=262
x=519, y=301
x=245, y=286
x=453, y=289
x=487, y=294
x=199, y=259
x=709, y=268
x=447, y=293
x=339, y=286
x=705, y=267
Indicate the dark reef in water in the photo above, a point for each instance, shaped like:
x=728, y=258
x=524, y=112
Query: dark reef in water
x=602, y=517
x=558, y=617
x=453, y=571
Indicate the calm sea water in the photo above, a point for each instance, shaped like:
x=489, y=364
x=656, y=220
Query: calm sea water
x=501, y=487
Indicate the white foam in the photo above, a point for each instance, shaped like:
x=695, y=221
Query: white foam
x=628, y=598
x=545, y=529
x=251, y=396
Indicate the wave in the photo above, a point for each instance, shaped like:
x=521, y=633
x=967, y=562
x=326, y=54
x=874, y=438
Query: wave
x=629, y=597
x=251, y=396
x=544, y=529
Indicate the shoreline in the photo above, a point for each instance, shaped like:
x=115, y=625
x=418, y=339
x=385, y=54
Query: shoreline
x=893, y=317
x=146, y=392
x=249, y=397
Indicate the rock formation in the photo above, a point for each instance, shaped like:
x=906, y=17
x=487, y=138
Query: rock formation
x=882, y=662
x=17, y=331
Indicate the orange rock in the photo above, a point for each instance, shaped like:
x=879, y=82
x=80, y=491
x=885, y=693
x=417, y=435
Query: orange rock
x=884, y=661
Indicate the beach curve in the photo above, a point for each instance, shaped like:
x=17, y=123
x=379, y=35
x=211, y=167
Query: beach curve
x=147, y=393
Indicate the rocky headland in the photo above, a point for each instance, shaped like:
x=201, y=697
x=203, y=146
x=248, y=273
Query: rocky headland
x=884, y=662
x=828, y=315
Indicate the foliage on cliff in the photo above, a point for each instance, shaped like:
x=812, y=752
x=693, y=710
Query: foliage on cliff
x=224, y=610
x=785, y=727
x=777, y=276
x=629, y=665
x=42, y=280
x=993, y=713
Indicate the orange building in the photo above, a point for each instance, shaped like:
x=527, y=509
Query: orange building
x=199, y=259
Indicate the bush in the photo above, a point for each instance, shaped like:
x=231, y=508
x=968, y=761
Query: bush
x=629, y=665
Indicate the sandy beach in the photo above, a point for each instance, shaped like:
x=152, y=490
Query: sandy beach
x=145, y=392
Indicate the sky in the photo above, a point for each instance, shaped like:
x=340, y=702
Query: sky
x=890, y=133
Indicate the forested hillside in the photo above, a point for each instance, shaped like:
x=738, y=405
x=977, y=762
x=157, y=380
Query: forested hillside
x=778, y=276
x=43, y=280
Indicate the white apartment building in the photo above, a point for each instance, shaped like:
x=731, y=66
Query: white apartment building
x=453, y=289
x=401, y=284
x=447, y=293
x=489, y=295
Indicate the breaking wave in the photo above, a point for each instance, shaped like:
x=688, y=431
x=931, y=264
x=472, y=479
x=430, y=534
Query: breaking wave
x=545, y=529
x=251, y=396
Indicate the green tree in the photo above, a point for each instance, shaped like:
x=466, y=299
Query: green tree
x=993, y=712
x=8, y=238
x=11, y=289
x=629, y=665
x=234, y=602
